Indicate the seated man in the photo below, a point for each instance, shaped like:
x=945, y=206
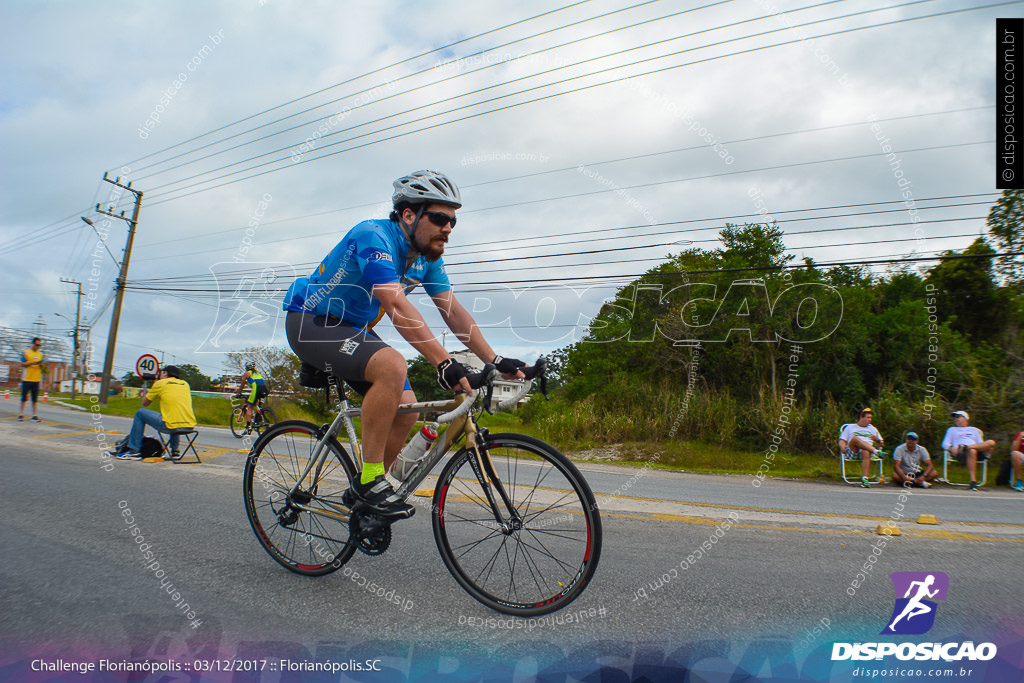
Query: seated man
x=967, y=445
x=860, y=439
x=907, y=470
x=1016, y=456
x=175, y=413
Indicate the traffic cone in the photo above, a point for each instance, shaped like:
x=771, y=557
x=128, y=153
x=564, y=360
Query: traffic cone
x=7, y=393
x=46, y=396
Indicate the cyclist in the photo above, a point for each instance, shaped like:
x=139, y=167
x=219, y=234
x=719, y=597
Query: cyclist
x=257, y=389
x=368, y=274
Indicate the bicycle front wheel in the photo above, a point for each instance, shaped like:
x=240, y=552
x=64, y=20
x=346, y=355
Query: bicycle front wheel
x=542, y=550
x=238, y=423
x=306, y=529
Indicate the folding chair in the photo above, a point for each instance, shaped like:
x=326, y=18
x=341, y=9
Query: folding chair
x=948, y=457
x=876, y=478
x=189, y=434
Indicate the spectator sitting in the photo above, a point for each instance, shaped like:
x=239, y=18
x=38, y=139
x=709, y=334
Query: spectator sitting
x=860, y=439
x=967, y=445
x=175, y=413
x=907, y=470
x=1016, y=456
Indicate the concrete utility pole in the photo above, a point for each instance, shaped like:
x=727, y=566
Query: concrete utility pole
x=78, y=313
x=115, y=318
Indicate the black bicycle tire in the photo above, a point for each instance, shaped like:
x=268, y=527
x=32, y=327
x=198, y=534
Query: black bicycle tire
x=588, y=508
x=269, y=419
x=237, y=433
x=335, y=561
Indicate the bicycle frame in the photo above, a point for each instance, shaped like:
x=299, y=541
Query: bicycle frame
x=461, y=425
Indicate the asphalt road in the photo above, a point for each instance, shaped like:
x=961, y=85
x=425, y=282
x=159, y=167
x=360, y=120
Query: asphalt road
x=784, y=562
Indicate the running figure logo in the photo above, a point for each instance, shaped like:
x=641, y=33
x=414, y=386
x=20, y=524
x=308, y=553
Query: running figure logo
x=914, y=613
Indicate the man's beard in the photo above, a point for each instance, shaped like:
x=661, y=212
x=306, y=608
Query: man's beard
x=432, y=250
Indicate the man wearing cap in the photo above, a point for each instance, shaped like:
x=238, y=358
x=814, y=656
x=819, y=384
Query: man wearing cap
x=860, y=439
x=175, y=413
x=967, y=445
x=908, y=458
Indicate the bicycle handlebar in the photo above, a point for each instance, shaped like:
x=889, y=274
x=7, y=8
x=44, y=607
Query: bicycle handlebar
x=485, y=378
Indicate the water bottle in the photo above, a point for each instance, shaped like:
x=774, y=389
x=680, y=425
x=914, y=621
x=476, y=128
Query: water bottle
x=414, y=451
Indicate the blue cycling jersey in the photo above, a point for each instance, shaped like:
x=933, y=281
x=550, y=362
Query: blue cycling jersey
x=374, y=252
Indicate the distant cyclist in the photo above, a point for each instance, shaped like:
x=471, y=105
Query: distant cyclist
x=368, y=275
x=257, y=389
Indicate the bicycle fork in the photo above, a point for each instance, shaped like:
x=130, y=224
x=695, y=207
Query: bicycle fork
x=487, y=476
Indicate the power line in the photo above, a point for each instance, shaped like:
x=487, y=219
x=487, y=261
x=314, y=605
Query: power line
x=714, y=175
x=538, y=99
x=594, y=164
x=373, y=88
x=515, y=80
x=369, y=73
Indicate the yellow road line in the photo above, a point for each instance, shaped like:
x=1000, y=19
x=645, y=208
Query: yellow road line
x=784, y=512
x=51, y=436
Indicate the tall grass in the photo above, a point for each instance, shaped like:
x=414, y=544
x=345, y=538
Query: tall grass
x=663, y=412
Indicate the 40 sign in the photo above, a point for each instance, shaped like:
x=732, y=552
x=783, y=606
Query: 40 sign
x=147, y=366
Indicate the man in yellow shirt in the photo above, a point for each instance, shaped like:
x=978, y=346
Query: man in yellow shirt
x=32, y=364
x=175, y=413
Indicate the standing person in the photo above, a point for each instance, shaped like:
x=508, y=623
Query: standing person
x=32, y=366
x=175, y=413
x=967, y=445
x=907, y=470
x=1016, y=457
x=366, y=276
x=860, y=438
x=257, y=389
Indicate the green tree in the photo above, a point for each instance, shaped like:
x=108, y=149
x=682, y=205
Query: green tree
x=279, y=366
x=197, y=381
x=1006, y=224
x=967, y=292
x=130, y=379
x=423, y=380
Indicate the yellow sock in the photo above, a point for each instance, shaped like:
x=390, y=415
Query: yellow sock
x=371, y=470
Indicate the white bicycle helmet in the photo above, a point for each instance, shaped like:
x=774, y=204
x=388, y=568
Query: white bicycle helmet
x=427, y=187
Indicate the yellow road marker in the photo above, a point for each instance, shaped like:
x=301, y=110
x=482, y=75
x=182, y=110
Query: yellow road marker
x=927, y=519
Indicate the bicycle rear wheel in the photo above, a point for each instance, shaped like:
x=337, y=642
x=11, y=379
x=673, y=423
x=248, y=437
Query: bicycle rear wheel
x=269, y=420
x=238, y=422
x=307, y=531
x=534, y=561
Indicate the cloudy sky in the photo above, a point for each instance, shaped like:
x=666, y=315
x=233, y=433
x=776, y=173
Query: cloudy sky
x=591, y=139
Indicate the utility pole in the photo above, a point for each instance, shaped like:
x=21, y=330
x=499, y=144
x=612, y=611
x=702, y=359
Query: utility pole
x=122, y=277
x=74, y=357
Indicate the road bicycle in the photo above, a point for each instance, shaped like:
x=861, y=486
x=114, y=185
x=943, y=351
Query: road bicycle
x=262, y=419
x=515, y=522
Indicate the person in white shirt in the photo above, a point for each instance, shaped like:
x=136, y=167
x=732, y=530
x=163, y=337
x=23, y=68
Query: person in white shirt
x=967, y=445
x=860, y=439
x=912, y=464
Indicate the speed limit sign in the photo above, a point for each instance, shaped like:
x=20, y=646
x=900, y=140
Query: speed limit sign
x=147, y=366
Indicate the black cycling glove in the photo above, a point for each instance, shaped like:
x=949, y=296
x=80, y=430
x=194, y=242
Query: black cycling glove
x=507, y=366
x=449, y=373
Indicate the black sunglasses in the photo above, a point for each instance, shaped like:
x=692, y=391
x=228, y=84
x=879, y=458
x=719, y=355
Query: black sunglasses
x=440, y=219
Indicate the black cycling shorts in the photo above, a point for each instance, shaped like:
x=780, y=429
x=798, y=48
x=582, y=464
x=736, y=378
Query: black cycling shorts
x=330, y=345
